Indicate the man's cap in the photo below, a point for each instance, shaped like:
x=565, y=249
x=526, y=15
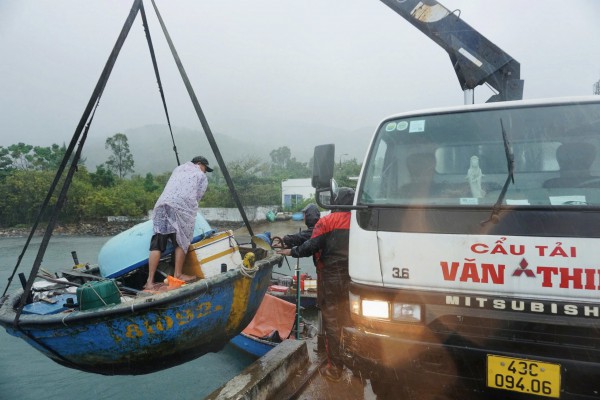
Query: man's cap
x=309, y=205
x=202, y=160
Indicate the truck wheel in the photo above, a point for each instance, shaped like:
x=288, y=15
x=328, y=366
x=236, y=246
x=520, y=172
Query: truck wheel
x=387, y=389
x=393, y=386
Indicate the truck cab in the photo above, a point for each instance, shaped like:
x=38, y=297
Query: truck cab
x=474, y=252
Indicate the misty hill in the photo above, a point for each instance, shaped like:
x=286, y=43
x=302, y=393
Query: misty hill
x=152, y=148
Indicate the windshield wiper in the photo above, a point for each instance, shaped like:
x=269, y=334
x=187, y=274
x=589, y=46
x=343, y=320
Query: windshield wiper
x=510, y=162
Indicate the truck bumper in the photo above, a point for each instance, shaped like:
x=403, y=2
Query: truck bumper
x=452, y=366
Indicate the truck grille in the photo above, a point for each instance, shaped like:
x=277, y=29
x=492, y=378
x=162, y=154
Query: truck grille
x=487, y=330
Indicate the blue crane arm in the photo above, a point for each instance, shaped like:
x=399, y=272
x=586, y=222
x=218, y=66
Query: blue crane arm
x=475, y=59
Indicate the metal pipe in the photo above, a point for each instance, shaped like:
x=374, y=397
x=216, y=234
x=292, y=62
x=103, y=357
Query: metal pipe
x=469, y=96
x=298, y=298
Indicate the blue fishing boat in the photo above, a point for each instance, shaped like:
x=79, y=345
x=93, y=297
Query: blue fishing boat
x=129, y=249
x=142, y=332
x=100, y=319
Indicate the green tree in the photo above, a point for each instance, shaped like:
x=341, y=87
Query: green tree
x=149, y=184
x=21, y=158
x=131, y=199
x=100, y=194
x=103, y=177
x=281, y=156
x=27, y=157
x=22, y=195
x=127, y=197
x=297, y=169
x=5, y=162
x=74, y=209
x=217, y=196
x=344, y=171
x=48, y=158
x=252, y=182
x=121, y=160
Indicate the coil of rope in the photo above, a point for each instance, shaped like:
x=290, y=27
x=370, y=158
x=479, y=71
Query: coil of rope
x=248, y=267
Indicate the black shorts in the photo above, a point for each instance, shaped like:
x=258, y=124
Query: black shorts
x=160, y=241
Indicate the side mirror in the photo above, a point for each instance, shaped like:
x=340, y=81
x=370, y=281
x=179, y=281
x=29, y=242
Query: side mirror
x=323, y=163
x=325, y=196
x=334, y=187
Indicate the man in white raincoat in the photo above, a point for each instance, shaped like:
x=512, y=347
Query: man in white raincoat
x=174, y=215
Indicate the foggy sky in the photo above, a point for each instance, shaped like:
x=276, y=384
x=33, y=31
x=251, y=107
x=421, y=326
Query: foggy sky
x=345, y=64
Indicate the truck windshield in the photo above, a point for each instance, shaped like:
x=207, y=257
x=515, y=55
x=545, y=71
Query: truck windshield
x=459, y=158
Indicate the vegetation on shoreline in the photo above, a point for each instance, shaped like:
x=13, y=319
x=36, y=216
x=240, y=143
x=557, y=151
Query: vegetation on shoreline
x=27, y=173
x=91, y=228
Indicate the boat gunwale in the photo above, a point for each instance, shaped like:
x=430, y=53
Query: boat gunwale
x=138, y=305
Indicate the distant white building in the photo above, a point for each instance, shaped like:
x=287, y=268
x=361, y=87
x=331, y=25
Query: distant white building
x=295, y=191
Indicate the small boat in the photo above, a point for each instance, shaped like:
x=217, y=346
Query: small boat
x=272, y=323
x=100, y=319
x=254, y=346
x=285, y=288
x=297, y=216
x=134, y=332
x=307, y=299
x=129, y=249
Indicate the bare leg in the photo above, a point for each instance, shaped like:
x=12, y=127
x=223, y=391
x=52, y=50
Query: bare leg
x=179, y=258
x=153, y=260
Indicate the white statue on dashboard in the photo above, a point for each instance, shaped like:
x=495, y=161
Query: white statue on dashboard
x=474, y=177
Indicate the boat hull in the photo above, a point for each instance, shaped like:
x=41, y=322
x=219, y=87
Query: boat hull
x=252, y=345
x=150, y=333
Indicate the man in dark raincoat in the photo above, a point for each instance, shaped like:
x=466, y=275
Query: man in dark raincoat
x=330, y=240
x=311, y=217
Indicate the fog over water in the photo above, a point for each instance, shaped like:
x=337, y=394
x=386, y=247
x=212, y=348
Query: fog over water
x=268, y=72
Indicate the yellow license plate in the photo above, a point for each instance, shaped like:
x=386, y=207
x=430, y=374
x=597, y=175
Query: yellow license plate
x=523, y=376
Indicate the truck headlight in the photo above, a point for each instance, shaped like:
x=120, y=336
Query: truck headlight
x=380, y=309
x=376, y=309
x=406, y=312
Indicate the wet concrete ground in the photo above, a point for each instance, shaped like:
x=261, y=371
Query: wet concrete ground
x=310, y=384
x=348, y=388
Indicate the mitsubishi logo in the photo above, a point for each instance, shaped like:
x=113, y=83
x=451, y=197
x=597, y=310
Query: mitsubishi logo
x=523, y=269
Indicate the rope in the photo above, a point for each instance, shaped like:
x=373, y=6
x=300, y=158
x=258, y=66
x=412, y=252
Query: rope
x=155, y=65
x=204, y=122
x=80, y=132
x=64, y=319
x=248, y=272
x=98, y=294
x=54, y=217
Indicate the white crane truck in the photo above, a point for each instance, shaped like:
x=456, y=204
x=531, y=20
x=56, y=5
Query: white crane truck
x=474, y=250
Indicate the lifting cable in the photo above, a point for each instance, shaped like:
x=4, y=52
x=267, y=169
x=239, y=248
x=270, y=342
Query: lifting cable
x=155, y=65
x=204, y=122
x=81, y=135
x=82, y=129
x=59, y=203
